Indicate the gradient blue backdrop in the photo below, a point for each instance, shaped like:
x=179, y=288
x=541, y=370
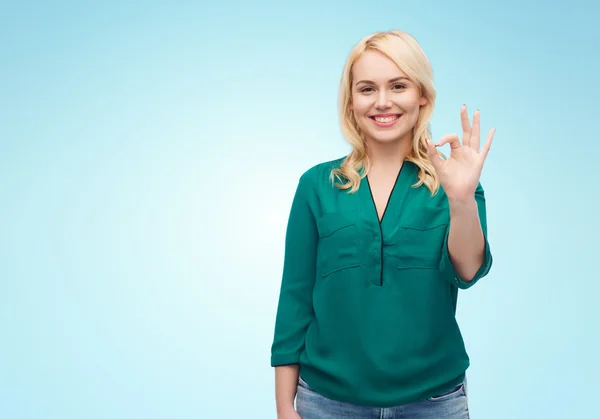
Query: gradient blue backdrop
x=149, y=152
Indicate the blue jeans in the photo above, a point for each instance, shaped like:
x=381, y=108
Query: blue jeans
x=450, y=405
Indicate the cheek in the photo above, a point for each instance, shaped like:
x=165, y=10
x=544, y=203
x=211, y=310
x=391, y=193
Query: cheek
x=359, y=110
x=410, y=102
x=360, y=105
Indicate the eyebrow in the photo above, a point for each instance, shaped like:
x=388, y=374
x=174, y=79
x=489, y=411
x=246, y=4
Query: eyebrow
x=389, y=81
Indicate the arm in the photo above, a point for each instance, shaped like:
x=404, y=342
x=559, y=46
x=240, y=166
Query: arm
x=286, y=380
x=295, y=309
x=465, y=240
x=466, y=256
x=466, y=253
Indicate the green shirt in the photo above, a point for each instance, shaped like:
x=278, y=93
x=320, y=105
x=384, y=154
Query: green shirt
x=367, y=308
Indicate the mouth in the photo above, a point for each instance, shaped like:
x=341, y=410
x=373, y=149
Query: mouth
x=385, y=120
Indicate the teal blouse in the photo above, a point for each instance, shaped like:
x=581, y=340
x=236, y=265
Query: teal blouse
x=367, y=308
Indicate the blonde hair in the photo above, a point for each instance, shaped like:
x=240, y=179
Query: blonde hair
x=406, y=53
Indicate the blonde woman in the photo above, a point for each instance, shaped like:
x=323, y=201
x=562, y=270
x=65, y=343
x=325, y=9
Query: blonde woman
x=378, y=244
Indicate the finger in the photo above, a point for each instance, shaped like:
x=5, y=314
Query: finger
x=475, y=132
x=433, y=154
x=488, y=143
x=451, y=139
x=466, y=126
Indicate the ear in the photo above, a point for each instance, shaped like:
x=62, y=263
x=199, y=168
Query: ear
x=423, y=101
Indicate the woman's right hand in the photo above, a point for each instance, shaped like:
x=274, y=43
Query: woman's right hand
x=289, y=414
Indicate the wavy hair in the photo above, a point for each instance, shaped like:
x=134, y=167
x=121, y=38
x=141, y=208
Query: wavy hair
x=408, y=55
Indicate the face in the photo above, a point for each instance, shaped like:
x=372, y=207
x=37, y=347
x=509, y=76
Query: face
x=385, y=102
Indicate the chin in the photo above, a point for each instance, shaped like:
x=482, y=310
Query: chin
x=387, y=138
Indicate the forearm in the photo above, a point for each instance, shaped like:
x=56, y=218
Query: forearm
x=286, y=381
x=466, y=244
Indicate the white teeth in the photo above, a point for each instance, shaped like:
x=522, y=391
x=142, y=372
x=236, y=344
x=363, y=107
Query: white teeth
x=387, y=119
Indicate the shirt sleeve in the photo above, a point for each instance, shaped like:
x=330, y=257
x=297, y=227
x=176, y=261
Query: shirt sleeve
x=295, y=308
x=446, y=266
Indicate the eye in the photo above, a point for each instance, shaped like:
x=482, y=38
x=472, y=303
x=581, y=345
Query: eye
x=400, y=86
x=365, y=89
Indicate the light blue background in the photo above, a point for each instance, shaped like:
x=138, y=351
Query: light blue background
x=148, y=157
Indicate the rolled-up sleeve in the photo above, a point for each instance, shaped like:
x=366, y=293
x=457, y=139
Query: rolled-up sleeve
x=295, y=307
x=446, y=266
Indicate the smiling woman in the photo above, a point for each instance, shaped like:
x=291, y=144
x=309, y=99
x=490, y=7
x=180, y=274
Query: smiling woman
x=383, y=103
x=378, y=244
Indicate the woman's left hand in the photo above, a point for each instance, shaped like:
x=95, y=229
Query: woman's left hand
x=459, y=174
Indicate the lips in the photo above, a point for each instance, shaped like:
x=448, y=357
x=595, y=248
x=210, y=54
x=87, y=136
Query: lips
x=386, y=119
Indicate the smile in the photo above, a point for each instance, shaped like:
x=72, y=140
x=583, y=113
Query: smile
x=386, y=120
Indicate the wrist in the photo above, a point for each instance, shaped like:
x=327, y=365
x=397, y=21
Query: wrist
x=462, y=205
x=285, y=409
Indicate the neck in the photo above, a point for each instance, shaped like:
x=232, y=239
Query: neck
x=384, y=157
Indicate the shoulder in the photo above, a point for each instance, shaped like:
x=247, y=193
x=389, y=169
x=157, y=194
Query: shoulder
x=321, y=172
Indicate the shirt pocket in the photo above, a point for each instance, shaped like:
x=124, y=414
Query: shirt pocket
x=420, y=245
x=338, y=243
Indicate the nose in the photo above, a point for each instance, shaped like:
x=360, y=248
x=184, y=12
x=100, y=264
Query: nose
x=382, y=100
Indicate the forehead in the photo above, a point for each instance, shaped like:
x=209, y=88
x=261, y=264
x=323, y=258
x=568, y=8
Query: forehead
x=373, y=65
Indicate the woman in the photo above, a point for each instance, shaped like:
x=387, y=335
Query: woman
x=378, y=244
